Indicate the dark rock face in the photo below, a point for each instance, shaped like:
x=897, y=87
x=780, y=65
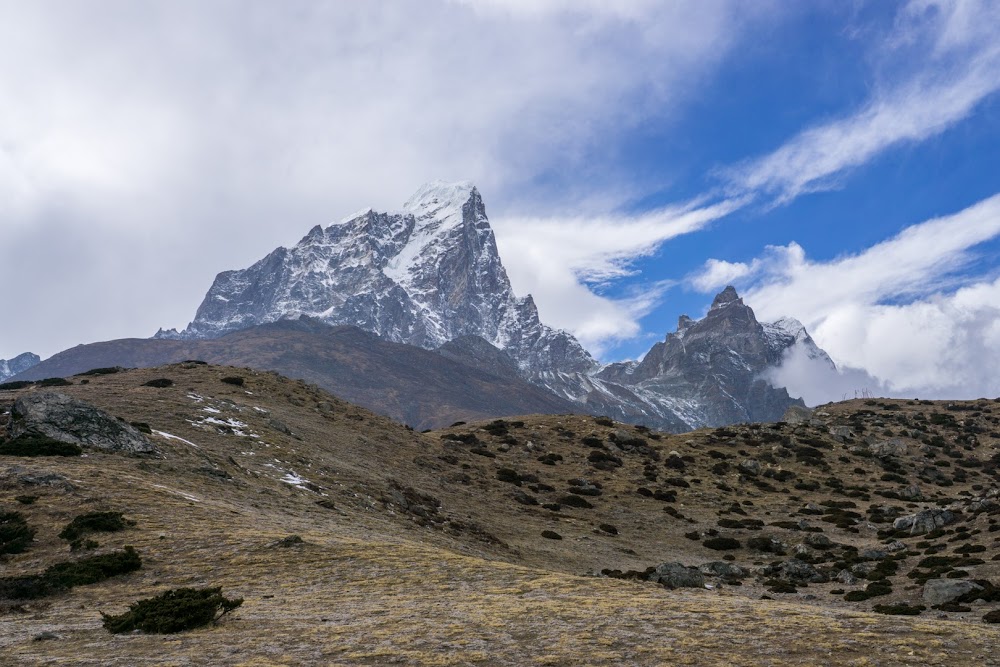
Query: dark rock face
x=707, y=373
x=70, y=420
x=424, y=276
x=22, y=362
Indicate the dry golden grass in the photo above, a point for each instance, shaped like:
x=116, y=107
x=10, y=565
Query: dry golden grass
x=370, y=586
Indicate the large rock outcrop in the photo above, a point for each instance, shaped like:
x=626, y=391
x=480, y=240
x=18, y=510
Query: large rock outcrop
x=67, y=419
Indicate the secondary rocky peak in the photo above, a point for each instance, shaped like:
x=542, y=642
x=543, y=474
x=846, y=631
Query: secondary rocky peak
x=726, y=297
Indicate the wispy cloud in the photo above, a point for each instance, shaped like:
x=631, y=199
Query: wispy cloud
x=559, y=260
x=952, y=53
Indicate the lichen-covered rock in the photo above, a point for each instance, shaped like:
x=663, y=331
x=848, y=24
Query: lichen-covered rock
x=941, y=591
x=73, y=421
x=924, y=521
x=677, y=575
x=721, y=568
x=890, y=447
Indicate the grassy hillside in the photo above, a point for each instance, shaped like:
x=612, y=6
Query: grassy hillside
x=428, y=548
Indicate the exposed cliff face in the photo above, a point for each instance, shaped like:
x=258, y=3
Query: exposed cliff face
x=22, y=362
x=710, y=369
x=423, y=276
x=430, y=276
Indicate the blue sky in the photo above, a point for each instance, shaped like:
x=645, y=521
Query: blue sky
x=834, y=160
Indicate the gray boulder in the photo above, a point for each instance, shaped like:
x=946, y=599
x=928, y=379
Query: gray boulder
x=721, y=568
x=941, y=591
x=797, y=570
x=890, y=447
x=924, y=521
x=678, y=575
x=73, y=421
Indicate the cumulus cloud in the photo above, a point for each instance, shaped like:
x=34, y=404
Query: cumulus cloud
x=179, y=139
x=900, y=310
x=956, y=51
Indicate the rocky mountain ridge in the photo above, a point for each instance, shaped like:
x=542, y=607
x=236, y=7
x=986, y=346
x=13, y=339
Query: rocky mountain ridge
x=22, y=362
x=431, y=274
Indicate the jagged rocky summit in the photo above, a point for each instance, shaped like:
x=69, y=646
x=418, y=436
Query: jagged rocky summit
x=22, y=362
x=430, y=275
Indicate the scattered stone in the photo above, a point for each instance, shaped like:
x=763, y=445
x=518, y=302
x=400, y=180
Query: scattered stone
x=890, y=447
x=750, y=467
x=678, y=575
x=924, y=521
x=720, y=568
x=846, y=577
x=942, y=591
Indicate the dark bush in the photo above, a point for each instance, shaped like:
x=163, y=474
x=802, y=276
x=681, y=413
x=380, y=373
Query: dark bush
x=901, y=609
x=551, y=535
x=174, y=611
x=142, y=427
x=722, y=543
x=93, y=522
x=234, y=380
x=779, y=586
x=497, y=427
x=54, y=382
x=15, y=533
x=159, y=383
x=38, y=445
x=14, y=386
x=63, y=576
x=509, y=475
x=992, y=617
x=608, y=528
x=874, y=589
x=26, y=499
x=591, y=441
x=111, y=370
x=571, y=500
x=604, y=421
x=197, y=362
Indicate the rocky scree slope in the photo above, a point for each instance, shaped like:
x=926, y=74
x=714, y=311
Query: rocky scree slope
x=431, y=274
x=355, y=540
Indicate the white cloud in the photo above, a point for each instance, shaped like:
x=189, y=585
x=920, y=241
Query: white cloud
x=900, y=310
x=185, y=138
x=555, y=258
x=956, y=48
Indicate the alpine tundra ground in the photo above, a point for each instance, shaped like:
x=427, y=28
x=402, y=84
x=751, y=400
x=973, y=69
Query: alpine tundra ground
x=354, y=540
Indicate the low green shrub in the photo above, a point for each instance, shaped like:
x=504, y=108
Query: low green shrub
x=93, y=522
x=54, y=382
x=159, y=383
x=722, y=543
x=38, y=445
x=14, y=386
x=15, y=533
x=66, y=575
x=174, y=611
x=110, y=370
x=901, y=609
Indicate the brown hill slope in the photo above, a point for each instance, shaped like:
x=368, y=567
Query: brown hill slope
x=423, y=548
x=412, y=385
